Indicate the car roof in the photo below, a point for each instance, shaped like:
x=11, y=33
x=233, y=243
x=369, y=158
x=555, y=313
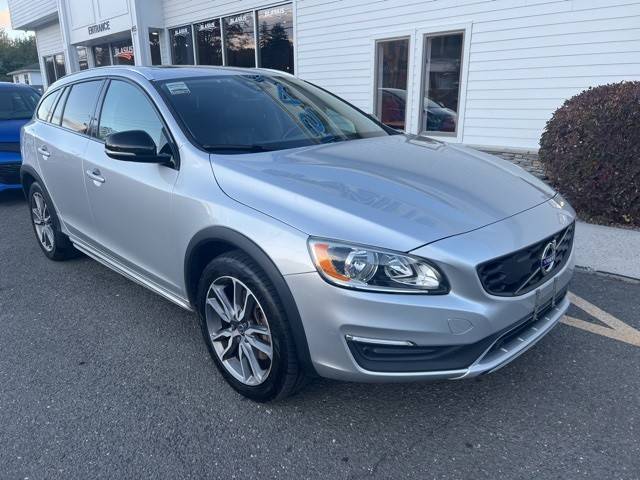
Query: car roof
x=15, y=86
x=162, y=72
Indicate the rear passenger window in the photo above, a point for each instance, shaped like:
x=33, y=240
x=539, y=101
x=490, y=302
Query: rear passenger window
x=79, y=106
x=44, y=110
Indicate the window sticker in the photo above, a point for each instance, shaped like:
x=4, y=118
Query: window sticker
x=178, y=88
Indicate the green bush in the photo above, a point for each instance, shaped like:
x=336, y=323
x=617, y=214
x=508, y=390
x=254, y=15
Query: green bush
x=591, y=153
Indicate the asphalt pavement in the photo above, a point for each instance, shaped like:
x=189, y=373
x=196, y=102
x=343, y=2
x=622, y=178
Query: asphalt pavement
x=100, y=378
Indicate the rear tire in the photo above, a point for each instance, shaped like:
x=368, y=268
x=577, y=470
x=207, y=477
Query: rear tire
x=246, y=329
x=46, y=225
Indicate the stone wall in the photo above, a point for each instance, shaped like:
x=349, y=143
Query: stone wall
x=527, y=160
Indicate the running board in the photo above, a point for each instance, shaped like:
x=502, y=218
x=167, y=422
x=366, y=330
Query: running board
x=125, y=272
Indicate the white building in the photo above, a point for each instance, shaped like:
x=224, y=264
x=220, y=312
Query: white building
x=487, y=73
x=28, y=75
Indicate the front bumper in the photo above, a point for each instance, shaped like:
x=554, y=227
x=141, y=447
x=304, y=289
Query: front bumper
x=467, y=332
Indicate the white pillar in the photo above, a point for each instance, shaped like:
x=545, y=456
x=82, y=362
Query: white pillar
x=70, y=53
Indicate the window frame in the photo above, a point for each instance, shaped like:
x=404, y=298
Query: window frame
x=100, y=104
x=416, y=69
x=193, y=43
x=376, y=81
x=421, y=51
x=256, y=21
x=102, y=45
x=57, y=92
x=158, y=32
x=251, y=13
x=425, y=84
x=52, y=57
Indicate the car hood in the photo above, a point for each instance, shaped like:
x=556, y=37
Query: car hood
x=10, y=130
x=396, y=192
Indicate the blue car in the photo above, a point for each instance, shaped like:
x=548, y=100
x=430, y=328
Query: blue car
x=17, y=103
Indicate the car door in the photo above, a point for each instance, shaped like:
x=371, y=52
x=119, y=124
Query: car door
x=131, y=202
x=60, y=145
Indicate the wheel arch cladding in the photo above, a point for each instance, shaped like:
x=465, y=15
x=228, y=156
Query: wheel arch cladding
x=28, y=176
x=212, y=242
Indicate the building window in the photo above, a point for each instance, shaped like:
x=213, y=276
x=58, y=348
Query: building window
x=208, y=43
x=154, y=46
x=275, y=38
x=240, y=42
x=26, y=79
x=101, y=56
x=232, y=40
x=392, y=61
x=122, y=53
x=83, y=58
x=441, y=84
x=54, y=67
x=61, y=70
x=181, y=45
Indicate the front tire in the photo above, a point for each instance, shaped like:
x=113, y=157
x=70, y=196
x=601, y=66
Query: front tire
x=46, y=225
x=245, y=327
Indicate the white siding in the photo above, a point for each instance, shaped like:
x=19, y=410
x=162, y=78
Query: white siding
x=28, y=12
x=526, y=56
x=48, y=42
x=178, y=13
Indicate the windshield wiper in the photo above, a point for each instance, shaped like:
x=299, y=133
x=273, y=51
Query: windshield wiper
x=332, y=139
x=221, y=147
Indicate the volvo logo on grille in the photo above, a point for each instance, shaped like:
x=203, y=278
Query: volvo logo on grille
x=548, y=259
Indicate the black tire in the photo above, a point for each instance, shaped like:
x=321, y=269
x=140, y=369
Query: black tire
x=59, y=248
x=286, y=375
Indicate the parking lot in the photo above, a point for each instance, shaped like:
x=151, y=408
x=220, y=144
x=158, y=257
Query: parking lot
x=100, y=378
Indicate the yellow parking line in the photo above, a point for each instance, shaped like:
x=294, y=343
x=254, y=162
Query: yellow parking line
x=615, y=329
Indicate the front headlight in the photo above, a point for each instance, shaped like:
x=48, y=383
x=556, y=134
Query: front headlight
x=367, y=268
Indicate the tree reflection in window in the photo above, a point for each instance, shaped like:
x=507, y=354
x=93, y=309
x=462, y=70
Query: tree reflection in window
x=239, y=40
x=275, y=38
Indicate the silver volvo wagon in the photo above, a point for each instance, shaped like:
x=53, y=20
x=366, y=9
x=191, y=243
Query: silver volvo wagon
x=309, y=238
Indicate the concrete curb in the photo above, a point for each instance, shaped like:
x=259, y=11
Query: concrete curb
x=608, y=249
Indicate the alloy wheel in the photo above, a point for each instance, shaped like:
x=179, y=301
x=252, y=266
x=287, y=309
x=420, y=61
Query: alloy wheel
x=239, y=330
x=42, y=222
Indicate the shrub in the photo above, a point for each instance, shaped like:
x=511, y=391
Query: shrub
x=591, y=153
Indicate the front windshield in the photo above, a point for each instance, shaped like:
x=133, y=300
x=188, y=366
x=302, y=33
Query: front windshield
x=16, y=104
x=241, y=113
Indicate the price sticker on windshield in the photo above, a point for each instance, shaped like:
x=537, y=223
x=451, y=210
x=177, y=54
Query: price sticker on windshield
x=178, y=88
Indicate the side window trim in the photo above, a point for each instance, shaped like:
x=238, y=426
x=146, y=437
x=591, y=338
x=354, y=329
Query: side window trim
x=165, y=127
x=94, y=129
x=59, y=94
x=61, y=98
x=56, y=98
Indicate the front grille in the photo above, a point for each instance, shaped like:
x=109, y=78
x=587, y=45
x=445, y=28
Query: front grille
x=10, y=147
x=520, y=272
x=10, y=173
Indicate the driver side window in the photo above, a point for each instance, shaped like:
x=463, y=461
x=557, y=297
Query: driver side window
x=126, y=108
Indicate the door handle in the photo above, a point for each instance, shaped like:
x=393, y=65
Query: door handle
x=96, y=176
x=44, y=151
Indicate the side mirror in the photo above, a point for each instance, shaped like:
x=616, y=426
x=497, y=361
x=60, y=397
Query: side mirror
x=134, y=146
